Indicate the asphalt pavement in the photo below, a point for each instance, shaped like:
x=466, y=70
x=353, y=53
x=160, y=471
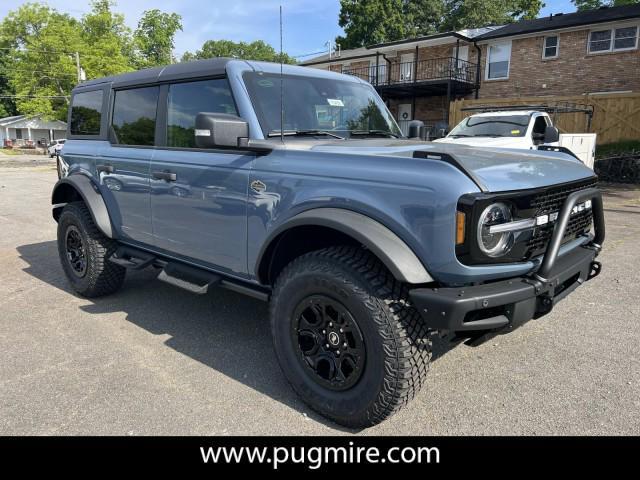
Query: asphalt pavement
x=153, y=359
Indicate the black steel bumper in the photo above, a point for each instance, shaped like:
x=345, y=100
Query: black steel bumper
x=506, y=304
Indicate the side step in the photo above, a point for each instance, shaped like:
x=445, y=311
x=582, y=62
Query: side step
x=189, y=278
x=131, y=258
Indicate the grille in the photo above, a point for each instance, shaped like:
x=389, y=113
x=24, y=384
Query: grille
x=552, y=201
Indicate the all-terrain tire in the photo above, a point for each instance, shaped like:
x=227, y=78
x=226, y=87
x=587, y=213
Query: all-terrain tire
x=398, y=345
x=100, y=277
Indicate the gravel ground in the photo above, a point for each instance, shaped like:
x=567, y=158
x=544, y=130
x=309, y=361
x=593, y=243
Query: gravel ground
x=153, y=359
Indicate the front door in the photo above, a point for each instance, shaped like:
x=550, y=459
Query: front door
x=406, y=67
x=199, y=197
x=122, y=165
x=404, y=117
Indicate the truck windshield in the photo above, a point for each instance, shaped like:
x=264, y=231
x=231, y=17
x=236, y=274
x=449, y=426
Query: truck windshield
x=492, y=126
x=319, y=107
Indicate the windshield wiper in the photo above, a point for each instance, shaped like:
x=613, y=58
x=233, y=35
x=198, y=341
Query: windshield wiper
x=310, y=132
x=460, y=135
x=488, y=135
x=373, y=132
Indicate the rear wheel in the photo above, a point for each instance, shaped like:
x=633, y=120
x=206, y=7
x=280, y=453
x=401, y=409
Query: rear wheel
x=84, y=253
x=346, y=337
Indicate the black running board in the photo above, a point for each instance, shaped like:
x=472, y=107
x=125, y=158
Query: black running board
x=181, y=275
x=188, y=278
x=133, y=258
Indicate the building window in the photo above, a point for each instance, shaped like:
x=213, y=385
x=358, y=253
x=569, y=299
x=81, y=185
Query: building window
x=550, y=49
x=612, y=40
x=134, y=116
x=498, y=61
x=186, y=100
x=86, y=113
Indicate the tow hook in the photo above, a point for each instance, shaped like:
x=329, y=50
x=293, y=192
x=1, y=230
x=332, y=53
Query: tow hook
x=545, y=304
x=596, y=268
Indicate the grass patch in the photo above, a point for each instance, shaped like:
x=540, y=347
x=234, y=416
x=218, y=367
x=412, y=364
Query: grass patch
x=9, y=151
x=611, y=149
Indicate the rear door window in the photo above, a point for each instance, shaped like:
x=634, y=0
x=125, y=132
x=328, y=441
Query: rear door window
x=134, y=116
x=86, y=113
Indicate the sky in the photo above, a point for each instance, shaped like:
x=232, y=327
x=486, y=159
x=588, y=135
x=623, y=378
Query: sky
x=308, y=24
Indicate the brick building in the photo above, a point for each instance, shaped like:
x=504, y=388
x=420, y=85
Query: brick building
x=565, y=54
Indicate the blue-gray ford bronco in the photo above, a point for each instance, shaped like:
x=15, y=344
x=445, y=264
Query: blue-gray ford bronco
x=297, y=187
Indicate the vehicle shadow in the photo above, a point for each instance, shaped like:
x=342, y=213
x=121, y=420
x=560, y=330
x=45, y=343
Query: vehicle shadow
x=224, y=330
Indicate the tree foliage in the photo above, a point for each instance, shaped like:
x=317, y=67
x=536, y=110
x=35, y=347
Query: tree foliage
x=39, y=46
x=582, y=5
x=257, y=50
x=367, y=22
x=154, y=37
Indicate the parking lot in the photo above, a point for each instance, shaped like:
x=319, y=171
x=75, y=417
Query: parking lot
x=154, y=359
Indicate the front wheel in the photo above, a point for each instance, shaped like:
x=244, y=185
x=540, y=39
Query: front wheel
x=346, y=337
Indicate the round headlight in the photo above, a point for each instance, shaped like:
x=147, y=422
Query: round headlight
x=494, y=244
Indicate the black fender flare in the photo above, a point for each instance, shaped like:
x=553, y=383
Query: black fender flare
x=392, y=251
x=89, y=193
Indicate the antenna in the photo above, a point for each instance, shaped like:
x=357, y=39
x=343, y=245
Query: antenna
x=281, y=84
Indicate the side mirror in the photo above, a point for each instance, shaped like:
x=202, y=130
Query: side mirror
x=220, y=130
x=551, y=134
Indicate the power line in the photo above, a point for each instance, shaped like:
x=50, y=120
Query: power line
x=35, y=96
x=37, y=71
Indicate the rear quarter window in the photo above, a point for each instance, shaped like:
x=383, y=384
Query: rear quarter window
x=86, y=113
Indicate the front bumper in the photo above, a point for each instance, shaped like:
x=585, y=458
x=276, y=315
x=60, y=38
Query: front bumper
x=506, y=304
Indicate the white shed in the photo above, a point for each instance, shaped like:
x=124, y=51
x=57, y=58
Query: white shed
x=20, y=129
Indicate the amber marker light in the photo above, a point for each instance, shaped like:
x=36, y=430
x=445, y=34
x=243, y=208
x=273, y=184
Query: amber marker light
x=460, y=221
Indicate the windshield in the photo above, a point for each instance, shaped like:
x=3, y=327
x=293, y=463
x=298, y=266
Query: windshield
x=492, y=126
x=319, y=106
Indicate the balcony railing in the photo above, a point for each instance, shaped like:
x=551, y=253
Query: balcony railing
x=436, y=69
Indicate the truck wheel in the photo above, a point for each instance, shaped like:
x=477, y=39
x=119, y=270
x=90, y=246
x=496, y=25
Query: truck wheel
x=346, y=336
x=84, y=251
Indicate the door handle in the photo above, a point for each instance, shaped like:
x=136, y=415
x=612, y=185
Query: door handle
x=105, y=168
x=168, y=176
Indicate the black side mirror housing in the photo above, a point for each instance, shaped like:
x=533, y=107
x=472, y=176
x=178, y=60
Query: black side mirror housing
x=215, y=130
x=551, y=134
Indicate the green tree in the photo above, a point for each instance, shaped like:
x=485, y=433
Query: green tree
x=154, y=37
x=106, y=47
x=39, y=69
x=582, y=5
x=257, y=50
x=368, y=22
x=479, y=13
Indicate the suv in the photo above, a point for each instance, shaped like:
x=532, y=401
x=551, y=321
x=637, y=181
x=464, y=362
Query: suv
x=365, y=243
x=55, y=147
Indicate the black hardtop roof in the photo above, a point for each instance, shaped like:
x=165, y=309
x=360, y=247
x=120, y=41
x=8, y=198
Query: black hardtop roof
x=566, y=20
x=177, y=71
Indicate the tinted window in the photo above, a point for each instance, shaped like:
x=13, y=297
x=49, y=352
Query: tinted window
x=86, y=110
x=186, y=100
x=134, y=116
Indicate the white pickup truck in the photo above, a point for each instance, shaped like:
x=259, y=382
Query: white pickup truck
x=527, y=129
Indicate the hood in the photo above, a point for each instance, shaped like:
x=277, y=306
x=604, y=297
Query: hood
x=493, y=169
x=503, y=142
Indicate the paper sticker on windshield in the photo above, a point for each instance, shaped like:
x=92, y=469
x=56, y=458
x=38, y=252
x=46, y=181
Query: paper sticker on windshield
x=515, y=132
x=335, y=102
x=265, y=83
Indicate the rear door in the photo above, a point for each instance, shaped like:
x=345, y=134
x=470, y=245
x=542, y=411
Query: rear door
x=123, y=163
x=199, y=197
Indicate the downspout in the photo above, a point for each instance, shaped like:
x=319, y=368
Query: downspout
x=479, y=50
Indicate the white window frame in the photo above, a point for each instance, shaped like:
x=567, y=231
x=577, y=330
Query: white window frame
x=487, y=61
x=612, y=43
x=544, y=47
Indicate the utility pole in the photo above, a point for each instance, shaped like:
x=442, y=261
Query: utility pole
x=78, y=67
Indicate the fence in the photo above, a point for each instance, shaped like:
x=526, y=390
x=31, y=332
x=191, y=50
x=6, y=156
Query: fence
x=616, y=116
